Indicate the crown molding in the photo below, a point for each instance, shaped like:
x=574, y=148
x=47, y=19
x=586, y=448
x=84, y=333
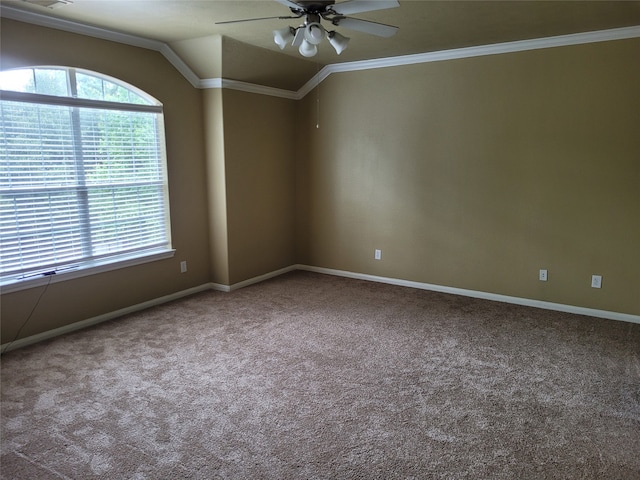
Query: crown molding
x=453, y=54
x=206, y=83
x=247, y=87
x=103, y=34
x=468, y=52
x=259, y=89
x=179, y=64
x=74, y=27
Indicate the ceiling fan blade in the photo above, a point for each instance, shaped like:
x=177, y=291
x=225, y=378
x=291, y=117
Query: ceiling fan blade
x=254, y=19
x=374, y=28
x=359, y=6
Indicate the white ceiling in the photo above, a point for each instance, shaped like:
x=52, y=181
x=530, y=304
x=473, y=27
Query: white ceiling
x=425, y=26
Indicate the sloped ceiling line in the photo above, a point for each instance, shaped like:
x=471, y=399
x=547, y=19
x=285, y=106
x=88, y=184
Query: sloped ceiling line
x=458, y=53
x=183, y=68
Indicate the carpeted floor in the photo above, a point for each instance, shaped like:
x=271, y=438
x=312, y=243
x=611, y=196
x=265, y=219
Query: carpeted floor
x=314, y=376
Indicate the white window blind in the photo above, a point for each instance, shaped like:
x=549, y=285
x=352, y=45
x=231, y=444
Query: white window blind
x=82, y=176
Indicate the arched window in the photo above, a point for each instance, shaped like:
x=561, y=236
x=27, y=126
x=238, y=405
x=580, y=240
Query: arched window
x=83, y=179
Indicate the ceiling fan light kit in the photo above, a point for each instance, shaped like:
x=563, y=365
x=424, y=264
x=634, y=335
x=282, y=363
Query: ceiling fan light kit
x=308, y=49
x=284, y=36
x=308, y=36
x=337, y=41
x=314, y=33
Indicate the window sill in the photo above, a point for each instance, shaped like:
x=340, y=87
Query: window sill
x=13, y=285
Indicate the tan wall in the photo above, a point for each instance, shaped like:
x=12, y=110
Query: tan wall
x=471, y=173
x=216, y=186
x=265, y=67
x=476, y=173
x=71, y=301
x=250, y=160
x=260, y=183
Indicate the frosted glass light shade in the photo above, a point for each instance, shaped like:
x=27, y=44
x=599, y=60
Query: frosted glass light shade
x=308, y=49
x=337, y=41
x=314, y=33
x=282, y=37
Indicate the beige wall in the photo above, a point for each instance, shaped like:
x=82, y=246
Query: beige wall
x=260, y=182
x=231, y=182
x=71, y=301
x=471, y=173
x=250, y=158
x=216, y=186
x=476, y=173
x=265, y=67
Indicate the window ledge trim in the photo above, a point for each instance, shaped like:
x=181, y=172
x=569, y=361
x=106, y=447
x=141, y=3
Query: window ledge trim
x=25, y=284
x=67, y=101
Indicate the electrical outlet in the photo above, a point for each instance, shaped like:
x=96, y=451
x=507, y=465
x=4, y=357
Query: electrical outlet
x=543, y=275
x=378, y=254
x=596, y=281
x=183, y=266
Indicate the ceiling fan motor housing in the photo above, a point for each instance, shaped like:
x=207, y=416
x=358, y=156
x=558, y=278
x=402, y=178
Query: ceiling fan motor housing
x=309, y=35
x=315, y=6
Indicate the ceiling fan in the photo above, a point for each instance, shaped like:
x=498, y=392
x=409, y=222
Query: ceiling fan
x=310, y=34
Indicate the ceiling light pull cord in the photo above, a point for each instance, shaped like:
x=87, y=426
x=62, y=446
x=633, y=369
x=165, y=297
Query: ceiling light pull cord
x=317, y=95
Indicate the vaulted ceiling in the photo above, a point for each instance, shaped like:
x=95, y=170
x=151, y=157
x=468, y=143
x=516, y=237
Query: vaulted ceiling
x=189, y=28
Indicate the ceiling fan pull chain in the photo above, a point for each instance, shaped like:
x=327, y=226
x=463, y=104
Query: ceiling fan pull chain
x=317, y=95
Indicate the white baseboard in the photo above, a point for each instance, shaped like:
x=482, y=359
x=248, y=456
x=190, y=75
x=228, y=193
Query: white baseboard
x=220, y=287
x=23, y=342
x=559, y=307
x=262, y=278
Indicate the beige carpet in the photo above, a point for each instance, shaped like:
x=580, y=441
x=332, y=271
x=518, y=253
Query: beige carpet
x=314, y=376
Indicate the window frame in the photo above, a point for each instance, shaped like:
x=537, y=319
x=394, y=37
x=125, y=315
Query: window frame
x=84, y=267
